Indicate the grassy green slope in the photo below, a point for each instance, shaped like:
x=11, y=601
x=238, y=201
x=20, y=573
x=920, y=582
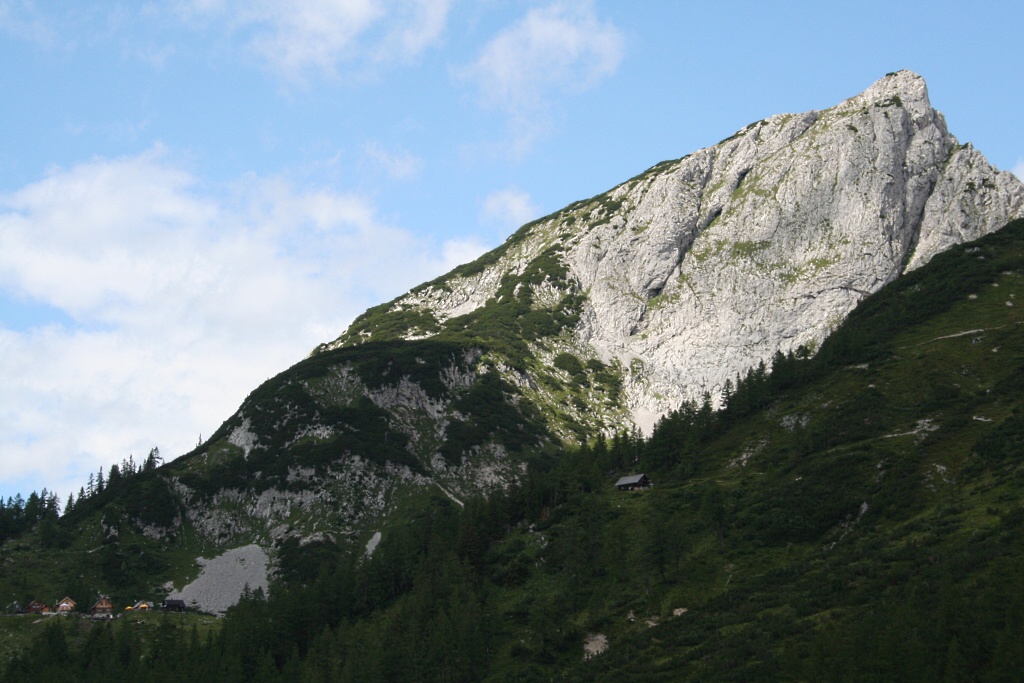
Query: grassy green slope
x=882, y=493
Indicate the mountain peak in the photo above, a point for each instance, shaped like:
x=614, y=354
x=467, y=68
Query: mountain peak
x=904, y=88
x=909, y=86
x=608, y=313
x=703, y=267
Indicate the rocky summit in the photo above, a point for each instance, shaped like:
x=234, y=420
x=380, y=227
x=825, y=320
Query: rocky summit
x=702, y=267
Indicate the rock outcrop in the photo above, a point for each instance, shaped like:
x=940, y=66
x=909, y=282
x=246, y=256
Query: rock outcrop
x=701, y=268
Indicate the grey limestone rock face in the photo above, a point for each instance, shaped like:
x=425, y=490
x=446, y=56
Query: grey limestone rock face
x=703, y=267
x=768, y=240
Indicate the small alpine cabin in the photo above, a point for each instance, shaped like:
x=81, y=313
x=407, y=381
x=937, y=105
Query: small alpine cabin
x=103, y=606
x=174, y=605
x=633, y=482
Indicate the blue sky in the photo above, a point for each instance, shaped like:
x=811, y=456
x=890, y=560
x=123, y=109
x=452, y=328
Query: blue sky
x=194, y=193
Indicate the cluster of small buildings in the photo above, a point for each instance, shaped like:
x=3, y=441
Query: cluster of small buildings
x=103, y=608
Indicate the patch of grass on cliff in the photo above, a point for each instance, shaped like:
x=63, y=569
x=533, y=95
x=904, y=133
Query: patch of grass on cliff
x=386, y=323
x=509, y=321
x=491, y=413
x=704, y=247
x=747, y=248
x=893, y=101
x=569, y=363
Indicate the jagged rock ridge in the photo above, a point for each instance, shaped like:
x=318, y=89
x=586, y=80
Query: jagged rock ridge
x=700, y=268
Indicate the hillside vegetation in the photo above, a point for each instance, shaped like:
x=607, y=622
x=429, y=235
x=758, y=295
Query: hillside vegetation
x=852, y=516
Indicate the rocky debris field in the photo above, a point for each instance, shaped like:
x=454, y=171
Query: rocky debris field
x=224, y=578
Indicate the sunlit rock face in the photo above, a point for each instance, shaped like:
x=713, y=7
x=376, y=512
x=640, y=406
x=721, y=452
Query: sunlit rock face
x=701, y=268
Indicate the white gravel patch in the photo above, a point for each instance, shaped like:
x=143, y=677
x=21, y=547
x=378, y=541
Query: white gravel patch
x=594, y=644
x=371, y=545
x=222, y=579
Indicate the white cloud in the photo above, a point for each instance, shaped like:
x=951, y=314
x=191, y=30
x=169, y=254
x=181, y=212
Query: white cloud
x=398, y=164
x=23, y=21
x=458, y=252
x=509, y=208
x=184, y=299
x=559, y=48
x=319, y=35
x=154, y=55
x=1018, y=170
x=418, y=24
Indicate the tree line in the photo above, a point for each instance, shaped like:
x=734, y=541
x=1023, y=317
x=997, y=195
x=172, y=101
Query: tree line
x=19, y=514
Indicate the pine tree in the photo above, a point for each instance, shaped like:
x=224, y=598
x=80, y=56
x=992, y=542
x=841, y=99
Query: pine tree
x=52, y=507
x=114, y=478
x=33, y=508
x=153, y=460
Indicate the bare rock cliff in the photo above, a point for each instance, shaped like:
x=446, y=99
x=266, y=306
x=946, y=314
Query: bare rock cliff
x=700, y=268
